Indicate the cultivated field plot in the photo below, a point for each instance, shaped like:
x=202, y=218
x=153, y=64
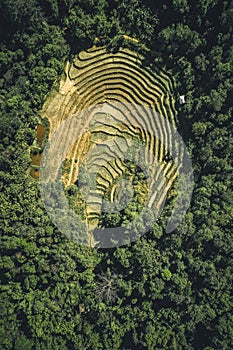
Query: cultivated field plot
x=123, y=112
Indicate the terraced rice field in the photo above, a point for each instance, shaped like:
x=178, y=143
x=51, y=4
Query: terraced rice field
x=40, y=134
x=140, y=108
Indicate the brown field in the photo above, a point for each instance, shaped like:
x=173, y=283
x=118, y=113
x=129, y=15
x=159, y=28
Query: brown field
x=40, y=133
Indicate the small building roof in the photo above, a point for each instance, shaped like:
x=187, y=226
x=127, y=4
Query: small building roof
x=182, y=99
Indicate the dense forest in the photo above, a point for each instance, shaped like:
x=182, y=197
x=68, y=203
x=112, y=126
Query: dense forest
x=165, y=290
